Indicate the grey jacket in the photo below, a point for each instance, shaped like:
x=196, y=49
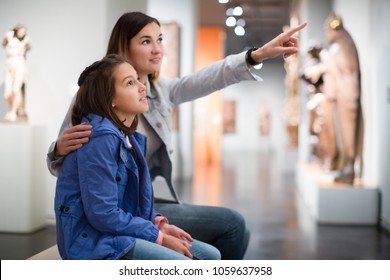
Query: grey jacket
x=163, y=95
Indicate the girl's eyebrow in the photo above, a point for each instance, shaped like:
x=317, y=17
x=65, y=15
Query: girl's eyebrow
x=128, y=77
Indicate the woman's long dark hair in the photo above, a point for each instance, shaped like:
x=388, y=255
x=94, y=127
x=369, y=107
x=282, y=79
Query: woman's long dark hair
x=96, y=92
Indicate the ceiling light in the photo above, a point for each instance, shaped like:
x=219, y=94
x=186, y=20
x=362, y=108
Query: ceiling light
x=237, y=11
x=239, y=30
x=231, y=21
x=229, y=12
x=223, y=1
x=241, y=22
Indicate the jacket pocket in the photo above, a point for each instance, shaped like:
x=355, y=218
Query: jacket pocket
x=83, y=244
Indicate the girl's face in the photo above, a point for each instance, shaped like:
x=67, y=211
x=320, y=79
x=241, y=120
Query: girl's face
x=130, y=94
x=146, y=50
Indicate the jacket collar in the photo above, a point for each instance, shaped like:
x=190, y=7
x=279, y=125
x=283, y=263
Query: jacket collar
x=102, y=126
x=152, y=94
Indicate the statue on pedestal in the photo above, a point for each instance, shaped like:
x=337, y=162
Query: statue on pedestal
x=342, y=127
x=16, y=44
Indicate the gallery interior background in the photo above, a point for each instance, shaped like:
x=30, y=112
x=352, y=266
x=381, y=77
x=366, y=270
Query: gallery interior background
x=68, y=35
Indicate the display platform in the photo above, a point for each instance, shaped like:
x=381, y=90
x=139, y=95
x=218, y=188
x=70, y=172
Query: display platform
x=335, y=203
x=22, y=170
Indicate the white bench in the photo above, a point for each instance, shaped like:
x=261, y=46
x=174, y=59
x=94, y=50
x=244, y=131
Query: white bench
x=48, y=254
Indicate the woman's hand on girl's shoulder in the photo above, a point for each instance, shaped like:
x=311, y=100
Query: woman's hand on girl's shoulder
x=72, y=139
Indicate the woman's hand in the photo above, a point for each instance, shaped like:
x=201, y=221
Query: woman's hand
x=179, y=245
x=284, y=44
x=72, y=139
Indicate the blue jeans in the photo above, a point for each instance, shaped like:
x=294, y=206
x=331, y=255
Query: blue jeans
x=221, y=227
x=145, y=250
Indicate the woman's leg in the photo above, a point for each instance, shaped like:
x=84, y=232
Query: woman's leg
x=204, y=251
x=221, y=227
x=145, y=250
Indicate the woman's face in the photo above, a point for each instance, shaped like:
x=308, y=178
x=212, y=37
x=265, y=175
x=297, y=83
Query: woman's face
x=146, y=51
x=130, y=94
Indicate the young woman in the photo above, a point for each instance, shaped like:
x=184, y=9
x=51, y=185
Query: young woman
x=104, y=203
x=138, y=38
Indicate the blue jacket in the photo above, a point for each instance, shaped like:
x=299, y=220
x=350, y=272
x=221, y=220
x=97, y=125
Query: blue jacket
x=104, y=196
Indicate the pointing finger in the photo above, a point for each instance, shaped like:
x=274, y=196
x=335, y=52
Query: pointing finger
x=296, y=29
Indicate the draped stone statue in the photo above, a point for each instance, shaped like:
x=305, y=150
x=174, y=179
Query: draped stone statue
x=342, y=128
x=16, y=44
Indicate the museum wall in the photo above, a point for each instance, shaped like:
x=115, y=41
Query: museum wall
x=250, y=98
x=379, y=50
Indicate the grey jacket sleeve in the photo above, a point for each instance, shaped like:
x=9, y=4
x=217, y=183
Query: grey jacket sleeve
x=53, y=162
x=216, y=76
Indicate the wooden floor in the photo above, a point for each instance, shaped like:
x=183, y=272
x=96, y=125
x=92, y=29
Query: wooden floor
x=257, y=186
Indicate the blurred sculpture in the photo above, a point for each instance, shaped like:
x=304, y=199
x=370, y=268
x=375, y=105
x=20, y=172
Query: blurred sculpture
x=291, y=109
x=16, y=44
x=342, y=128
x=265, y=119
x=312, y=74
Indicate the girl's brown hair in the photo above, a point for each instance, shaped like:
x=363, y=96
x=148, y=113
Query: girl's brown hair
x=96, y=92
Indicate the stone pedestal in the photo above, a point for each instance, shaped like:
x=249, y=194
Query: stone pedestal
x=22, y=173
x=333, y=203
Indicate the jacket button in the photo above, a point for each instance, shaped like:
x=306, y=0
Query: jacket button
x=84, y=235
x=118, y=179
x=171, y=151
x=66, y=209
x=159, y=125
